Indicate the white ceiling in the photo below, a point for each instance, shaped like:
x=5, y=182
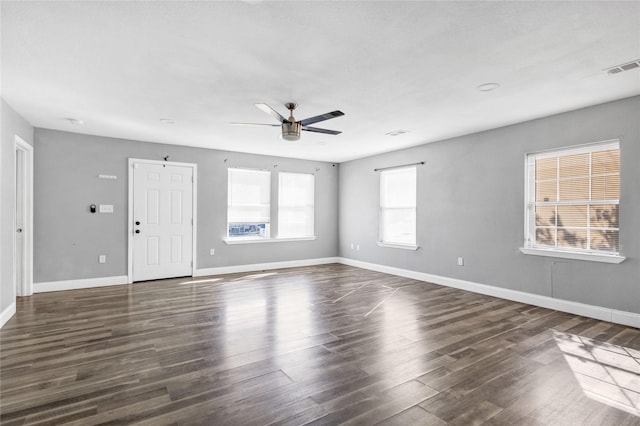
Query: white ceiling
x=388, y=65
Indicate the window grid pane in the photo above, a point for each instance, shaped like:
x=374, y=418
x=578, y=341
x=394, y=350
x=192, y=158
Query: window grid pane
x=575, y=198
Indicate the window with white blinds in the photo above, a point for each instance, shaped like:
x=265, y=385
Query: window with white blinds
x=573, y=199
x=248, y=208
x=398, y=206
x=295, y=205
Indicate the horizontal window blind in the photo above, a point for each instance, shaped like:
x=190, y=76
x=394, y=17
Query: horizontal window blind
x=573, y=198
x=249, y=194
x=398, y=206
x=295, y=205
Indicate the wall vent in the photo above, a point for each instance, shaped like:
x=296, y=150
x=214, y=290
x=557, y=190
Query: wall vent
x=624, y=67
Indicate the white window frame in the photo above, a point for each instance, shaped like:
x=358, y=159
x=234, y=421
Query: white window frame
x=381, y=209
x=530, y=247
x=282, y=208
x=233, y=240
x=267, y=223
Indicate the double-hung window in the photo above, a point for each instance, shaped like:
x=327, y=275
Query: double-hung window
x=398, y=207
x=295, y=205
x=573, y=198
x=248, y=209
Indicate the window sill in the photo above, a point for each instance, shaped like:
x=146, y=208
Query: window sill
x=399, y=246
x=593, y=257
x=232, y=241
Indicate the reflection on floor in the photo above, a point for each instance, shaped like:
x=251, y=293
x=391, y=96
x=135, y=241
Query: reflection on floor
x=607, y=373
x=322, y=345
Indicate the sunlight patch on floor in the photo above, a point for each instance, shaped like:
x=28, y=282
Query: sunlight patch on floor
x=606, y=373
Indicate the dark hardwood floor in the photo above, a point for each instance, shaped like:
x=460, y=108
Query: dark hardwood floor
x=320, y=345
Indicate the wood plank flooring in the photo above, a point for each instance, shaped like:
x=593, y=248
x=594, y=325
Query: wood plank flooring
x=322, y=345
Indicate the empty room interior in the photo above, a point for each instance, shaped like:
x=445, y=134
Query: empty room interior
x=342, y=212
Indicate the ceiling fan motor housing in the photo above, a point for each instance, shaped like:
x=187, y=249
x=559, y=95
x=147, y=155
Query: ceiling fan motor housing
x=291, y=131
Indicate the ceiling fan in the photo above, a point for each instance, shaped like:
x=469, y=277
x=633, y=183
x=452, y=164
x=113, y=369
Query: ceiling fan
x=290, y=127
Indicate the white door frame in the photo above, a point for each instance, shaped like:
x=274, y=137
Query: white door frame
x=130, y=226
x=24, y=183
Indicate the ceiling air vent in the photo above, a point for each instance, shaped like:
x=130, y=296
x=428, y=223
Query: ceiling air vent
x=624, y=67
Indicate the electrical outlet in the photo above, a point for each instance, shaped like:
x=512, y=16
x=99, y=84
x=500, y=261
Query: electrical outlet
x=102, y=258
x=351, y=246
x=212, y=252
x=357, y=247
x=461, y=261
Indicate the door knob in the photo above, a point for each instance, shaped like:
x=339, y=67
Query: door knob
x=137, y=231
x=137, y=222
x=19, y=230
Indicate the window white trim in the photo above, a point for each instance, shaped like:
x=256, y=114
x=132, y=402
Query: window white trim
x=530, y=247
x=241, y=240
x=255, y=212
x=385, y=206
x=398, y=246
x=578, y=149
x=565, y=254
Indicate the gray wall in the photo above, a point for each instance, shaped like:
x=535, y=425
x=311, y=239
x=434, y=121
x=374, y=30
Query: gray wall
x=12, y=124
x=471, y=204
x=68, y=239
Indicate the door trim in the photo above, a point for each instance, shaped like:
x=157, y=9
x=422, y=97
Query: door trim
x=26, y=289
x=194, y=198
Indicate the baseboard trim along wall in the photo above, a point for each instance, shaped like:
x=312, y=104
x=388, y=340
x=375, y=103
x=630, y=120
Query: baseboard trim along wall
x=8, y=312
x=591, y=311
x=42, y=287
x=264, y=266
x=77, y=284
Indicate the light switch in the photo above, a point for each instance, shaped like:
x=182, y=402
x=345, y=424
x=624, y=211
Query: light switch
x=106, y=208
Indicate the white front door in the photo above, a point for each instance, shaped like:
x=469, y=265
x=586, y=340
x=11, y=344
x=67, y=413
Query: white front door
x=162, y=228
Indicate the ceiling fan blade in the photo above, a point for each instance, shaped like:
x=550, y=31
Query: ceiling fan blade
x=255, y=124
x=318, y=130
x=321, y=117
x=272, y=112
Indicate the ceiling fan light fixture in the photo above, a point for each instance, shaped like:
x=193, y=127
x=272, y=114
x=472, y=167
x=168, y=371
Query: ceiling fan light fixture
x=291, y=131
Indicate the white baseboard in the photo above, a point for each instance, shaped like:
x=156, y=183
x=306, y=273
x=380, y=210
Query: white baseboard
x=77, y=284
x=8, y=312
x=591, y=311
x=264, y=266
x=625, y=318
x=123, y=279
